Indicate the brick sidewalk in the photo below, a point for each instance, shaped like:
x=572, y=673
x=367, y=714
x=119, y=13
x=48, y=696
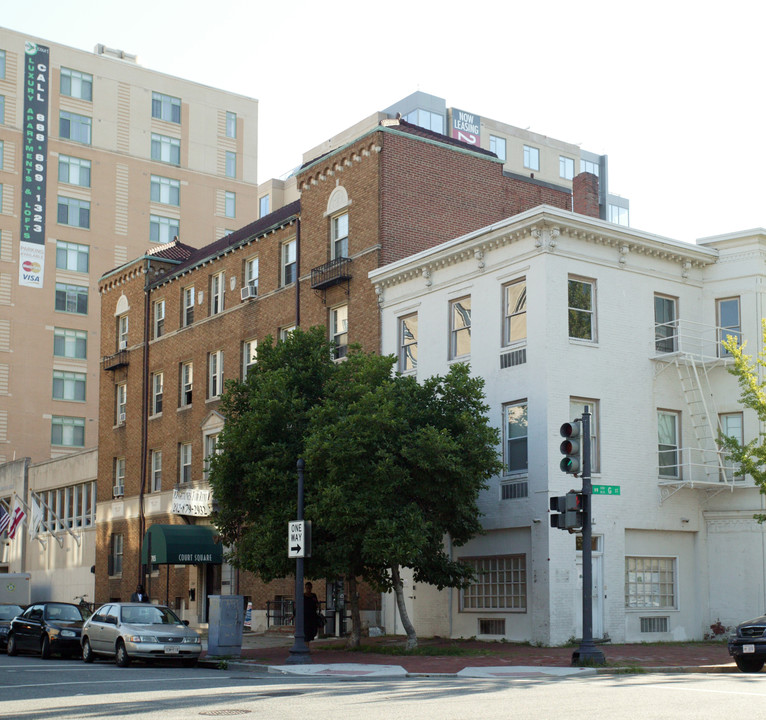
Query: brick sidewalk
x=489, y=654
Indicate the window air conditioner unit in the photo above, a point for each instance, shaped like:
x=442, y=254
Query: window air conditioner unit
x=249, y=291
x=122, y=418
x=123, y=344
x=118, y=491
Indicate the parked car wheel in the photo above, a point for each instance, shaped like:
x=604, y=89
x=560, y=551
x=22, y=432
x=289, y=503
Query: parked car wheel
x=87, y=651
x=121, y=656
x=749, y=664
x=12, y=649
x=45, y=647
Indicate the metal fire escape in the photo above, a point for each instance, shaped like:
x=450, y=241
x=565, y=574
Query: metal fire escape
x=695, y=351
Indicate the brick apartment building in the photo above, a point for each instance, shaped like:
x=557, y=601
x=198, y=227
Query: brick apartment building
x=178, y=321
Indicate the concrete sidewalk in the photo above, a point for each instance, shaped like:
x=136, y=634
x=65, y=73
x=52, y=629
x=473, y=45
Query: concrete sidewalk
x=329, y=658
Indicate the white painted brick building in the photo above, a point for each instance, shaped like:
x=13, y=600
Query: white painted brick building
x=555, y=311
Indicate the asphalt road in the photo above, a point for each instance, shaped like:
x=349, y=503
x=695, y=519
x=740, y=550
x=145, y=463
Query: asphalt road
x=69, y=689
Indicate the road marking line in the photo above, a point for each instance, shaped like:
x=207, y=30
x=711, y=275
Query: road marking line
x=106, y=682
x=703, y=690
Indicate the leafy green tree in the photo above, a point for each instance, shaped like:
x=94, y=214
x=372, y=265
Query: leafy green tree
x=399, y=468
x=751, y=457
x=393, y=467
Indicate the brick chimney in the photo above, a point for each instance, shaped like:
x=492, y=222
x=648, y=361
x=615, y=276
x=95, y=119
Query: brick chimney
x=585, y=194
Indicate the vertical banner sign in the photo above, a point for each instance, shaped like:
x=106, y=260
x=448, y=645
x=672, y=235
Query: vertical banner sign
x=35, y=165
x=466, y=127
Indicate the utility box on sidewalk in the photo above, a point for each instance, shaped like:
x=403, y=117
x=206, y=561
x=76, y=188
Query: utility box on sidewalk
x=225, y=623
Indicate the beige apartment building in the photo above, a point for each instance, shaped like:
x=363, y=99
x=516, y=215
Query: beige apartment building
x=100, y=160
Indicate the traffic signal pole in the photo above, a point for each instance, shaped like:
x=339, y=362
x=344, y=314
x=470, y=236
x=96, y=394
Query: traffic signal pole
x=587, y=653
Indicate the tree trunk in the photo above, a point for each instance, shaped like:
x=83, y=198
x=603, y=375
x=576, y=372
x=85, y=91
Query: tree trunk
x=355, y=636
x=412, y=638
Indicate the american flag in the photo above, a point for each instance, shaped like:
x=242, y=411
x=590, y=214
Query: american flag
x=5, y=518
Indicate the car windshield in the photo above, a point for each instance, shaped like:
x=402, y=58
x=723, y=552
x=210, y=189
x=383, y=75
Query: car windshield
x=62, y=612
x=149, y=615
x=8, y=612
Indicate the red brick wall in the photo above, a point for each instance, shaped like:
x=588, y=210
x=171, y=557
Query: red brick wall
x=585, y=190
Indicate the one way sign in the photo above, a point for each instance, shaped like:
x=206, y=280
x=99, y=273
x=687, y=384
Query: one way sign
x=298, y=539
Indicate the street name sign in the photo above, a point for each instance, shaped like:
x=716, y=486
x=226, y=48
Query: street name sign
x=606, y=489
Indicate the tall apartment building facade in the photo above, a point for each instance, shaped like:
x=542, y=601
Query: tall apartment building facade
x=178, y=322
x=565, y=311
x=122, y=158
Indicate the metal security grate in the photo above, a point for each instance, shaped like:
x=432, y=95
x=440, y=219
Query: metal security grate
x=513, y=491
x=654, y=624
x=491, y=626
x=516, y=357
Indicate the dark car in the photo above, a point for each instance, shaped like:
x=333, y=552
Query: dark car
x=47, y=628
x=139, y=631
x=747, y=644
x=8, y=611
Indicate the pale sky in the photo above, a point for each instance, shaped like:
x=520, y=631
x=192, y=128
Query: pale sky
x=671, y=91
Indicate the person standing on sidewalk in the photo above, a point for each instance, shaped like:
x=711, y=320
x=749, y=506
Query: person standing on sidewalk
x=310, y=613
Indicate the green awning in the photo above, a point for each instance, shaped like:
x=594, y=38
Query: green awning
x=181, y=545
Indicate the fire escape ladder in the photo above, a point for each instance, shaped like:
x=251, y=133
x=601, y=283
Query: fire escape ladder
x=699, y=400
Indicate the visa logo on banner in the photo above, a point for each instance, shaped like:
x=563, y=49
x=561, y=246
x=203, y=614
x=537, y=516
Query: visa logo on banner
x=31, y=264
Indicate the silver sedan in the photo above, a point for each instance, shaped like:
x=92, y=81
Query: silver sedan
x=129, y=631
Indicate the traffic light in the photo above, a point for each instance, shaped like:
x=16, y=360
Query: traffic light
x=568, y=511
x=570, y=448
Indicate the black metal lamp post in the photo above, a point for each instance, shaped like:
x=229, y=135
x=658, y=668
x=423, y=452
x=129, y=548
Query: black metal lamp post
x=299, y=652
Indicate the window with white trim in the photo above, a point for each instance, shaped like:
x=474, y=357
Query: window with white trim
x=339, y=331
x=650, y=582
x=408, y=342
x=566, y=167
x=231, y=164
x=166, y=149
x=69, y=386
x=188, y=306
x=339, y=232
x=289, y=262
x=72, y=256
x=531, y=158
x=74, y=171
x=264, y=205
x=499, y=584
x=116, y=544
x=732, y=425
x=69, y=343
x=159, y=318
x=76, y=84
x=166, y=107
x=251, y=273
x=515, y=311
x=619, y=215
x=210, y=442
x=156, y=471
x=158, y=381
x=187, y=384
x=119, y=474
x=73, y=212
x=249, y=356
x=68, y=431
x=163, y=229
x=582, y=308
x=215, y=374
x=121, y=403
x=516, y=431
x=72, y=298
x=75, y=127
x=497, y=146
x=165, y=190
x=122, y=332
x=216, y=293
x=184, y=462
x=668, y=434
x=460, y=327
x=231, y=124
x=665, y=324
x=285, y=332
x=230, y=204
x=729, y=323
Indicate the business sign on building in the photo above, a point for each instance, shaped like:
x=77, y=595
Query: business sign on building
x=195, y=503
x=466, y=127
x=34, y=165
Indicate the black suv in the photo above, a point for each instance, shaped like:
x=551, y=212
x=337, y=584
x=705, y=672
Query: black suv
x=748, y=645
